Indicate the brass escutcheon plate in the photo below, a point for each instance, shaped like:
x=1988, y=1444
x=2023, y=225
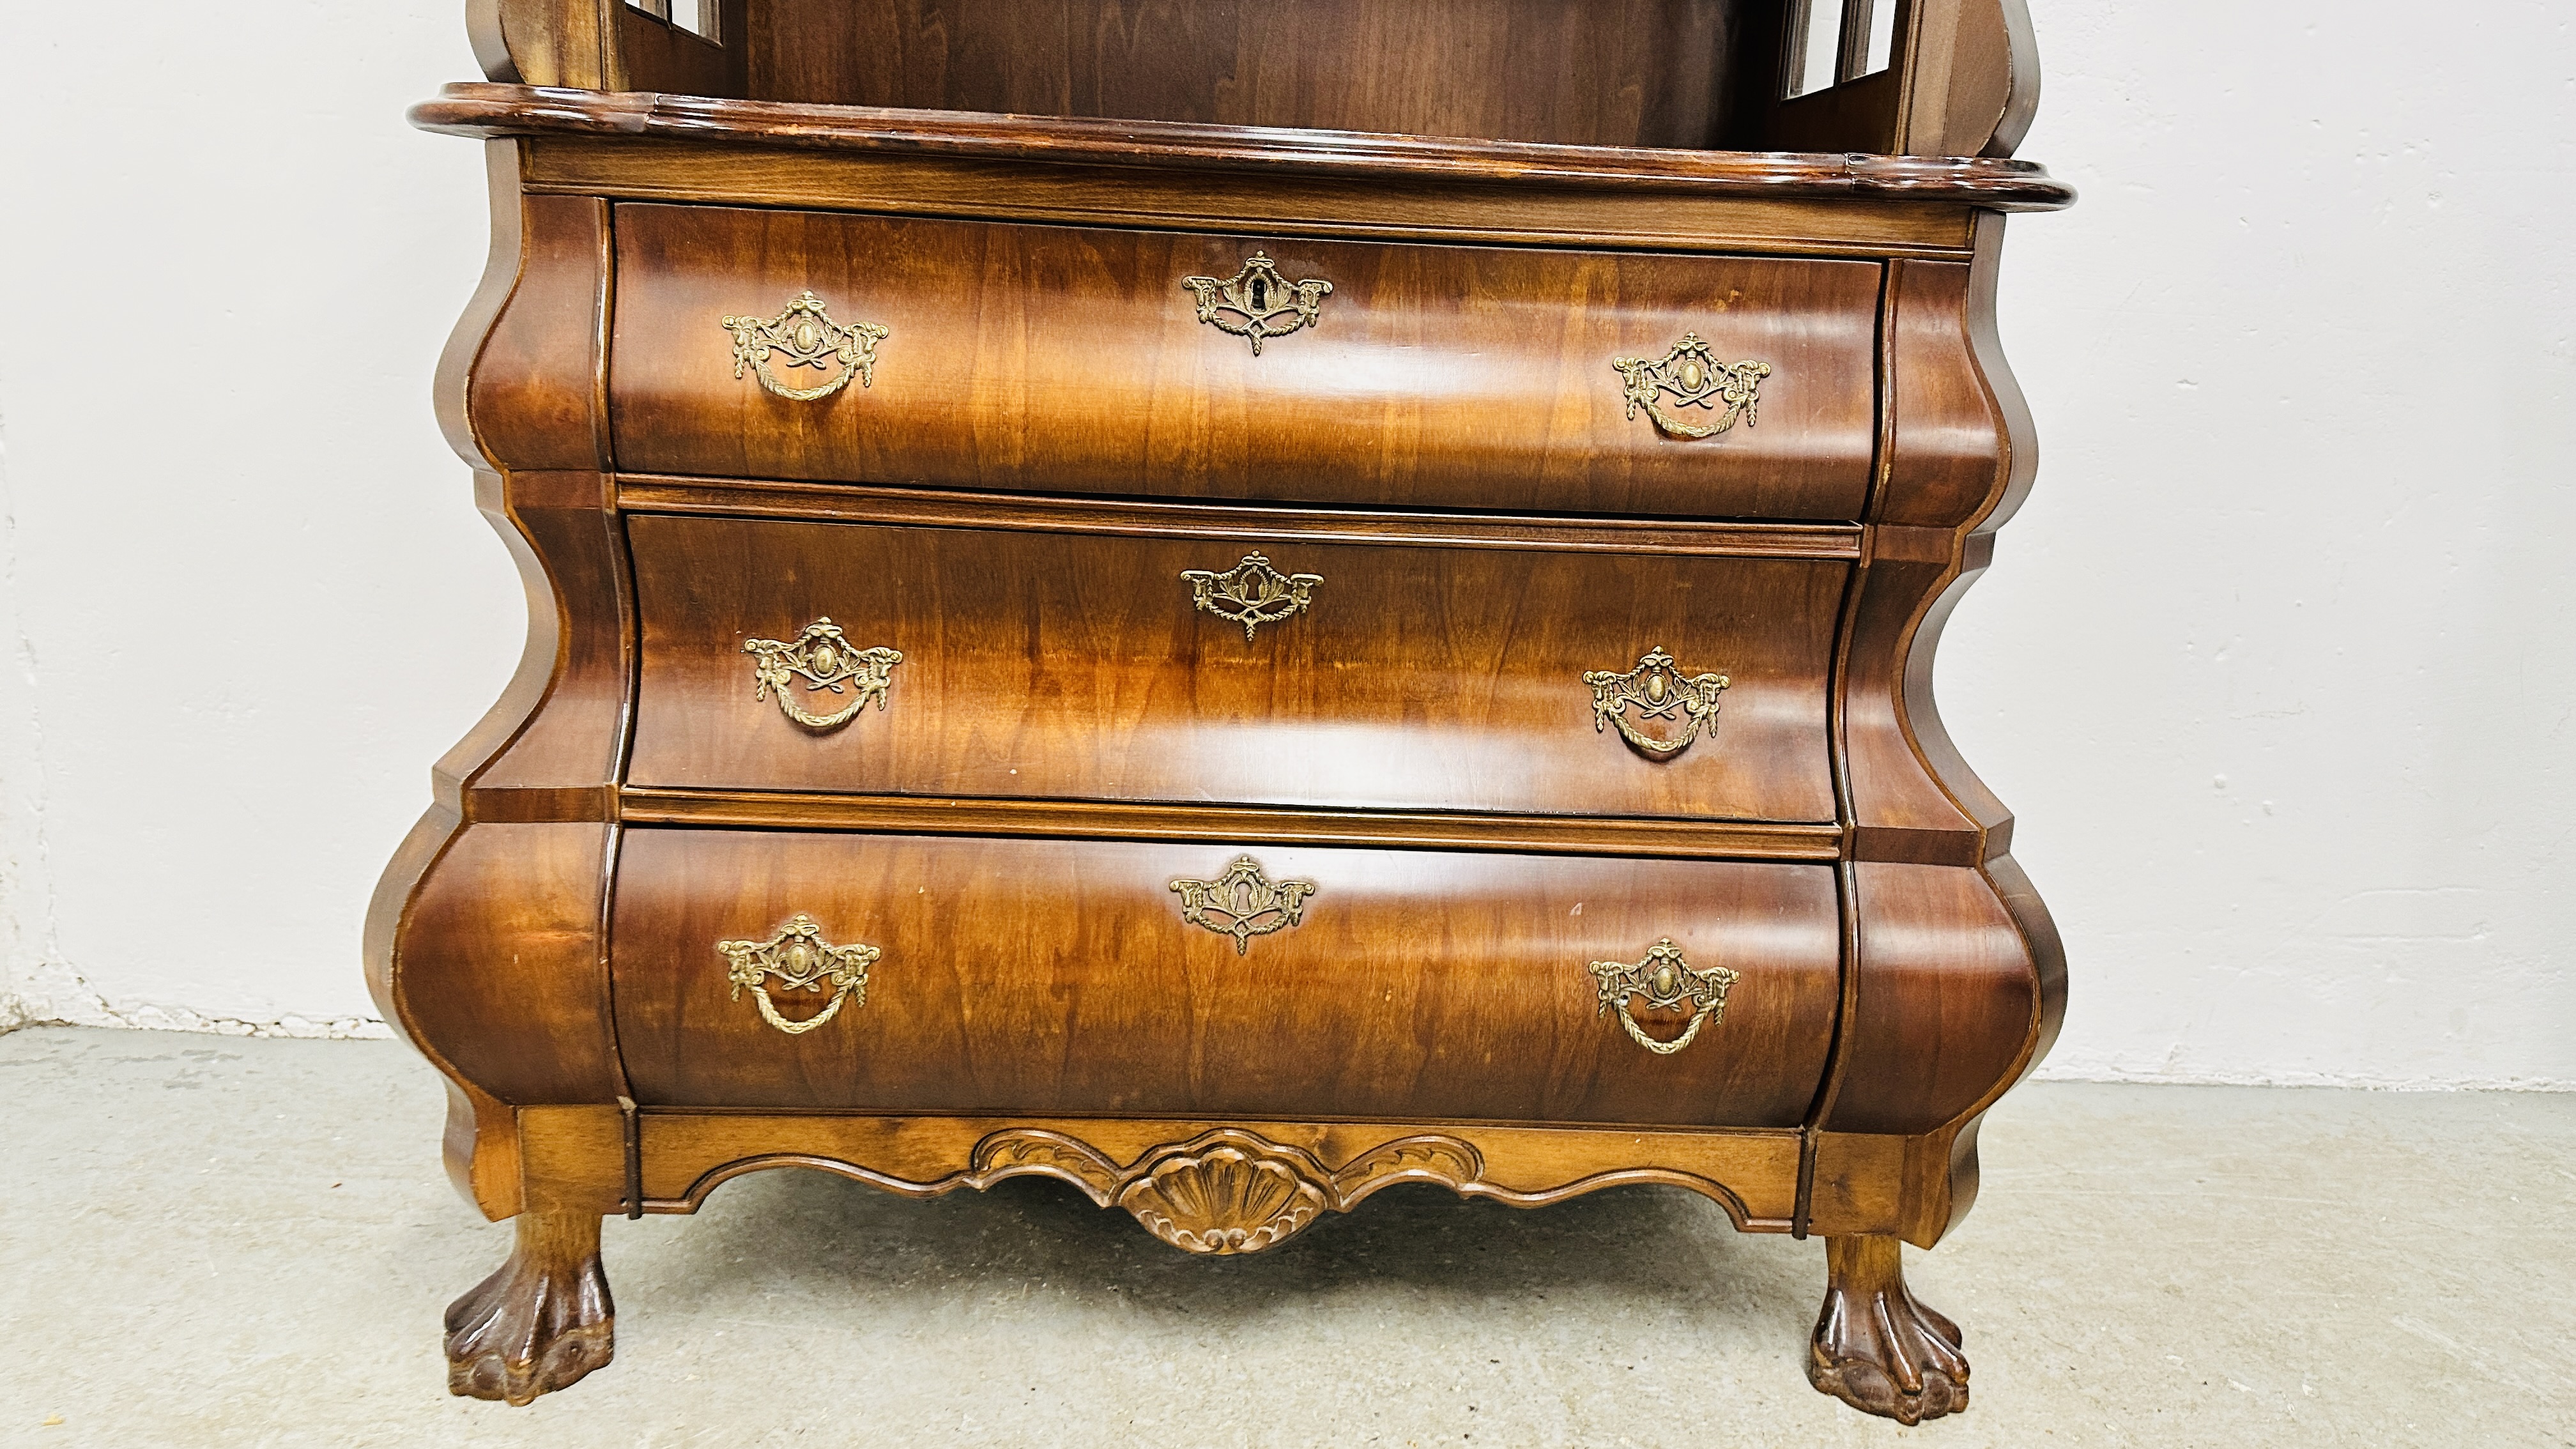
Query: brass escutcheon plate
x=1243, y=902
x=1666, y=980
x=1252, y=593
x=1257, y=303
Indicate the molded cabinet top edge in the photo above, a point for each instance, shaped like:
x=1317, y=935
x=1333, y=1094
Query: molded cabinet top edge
x=480, y=109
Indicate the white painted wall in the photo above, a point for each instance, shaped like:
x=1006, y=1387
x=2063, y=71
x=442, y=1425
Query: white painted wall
x=2275, y=665
x=246, y=596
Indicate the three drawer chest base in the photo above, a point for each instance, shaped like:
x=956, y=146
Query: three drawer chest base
x=1231, y=663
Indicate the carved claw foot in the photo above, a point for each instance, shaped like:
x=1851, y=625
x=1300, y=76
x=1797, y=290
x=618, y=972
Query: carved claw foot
x=1876, y=1348
x=540, y=1323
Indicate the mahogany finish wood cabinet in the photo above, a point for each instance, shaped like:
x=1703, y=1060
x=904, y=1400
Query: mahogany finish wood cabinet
x=1232, y=602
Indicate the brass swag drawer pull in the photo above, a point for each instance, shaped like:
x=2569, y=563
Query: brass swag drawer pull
x=1666, y=980
x=802, y=961
x=1243, y=903
x=823, y=658
x=807, y=336
x=1690, y=376
x=1656, y=690
x=1257, y=302
x=1251, y=593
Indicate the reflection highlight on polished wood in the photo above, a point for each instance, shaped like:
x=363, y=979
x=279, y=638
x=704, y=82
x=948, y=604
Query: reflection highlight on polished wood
x=1054, y=665
x=1446, y=377
x=1357, y=1011
x=1368, y=618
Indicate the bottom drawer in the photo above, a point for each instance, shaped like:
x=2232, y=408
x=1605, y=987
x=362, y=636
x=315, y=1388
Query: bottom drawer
x=1072, y=977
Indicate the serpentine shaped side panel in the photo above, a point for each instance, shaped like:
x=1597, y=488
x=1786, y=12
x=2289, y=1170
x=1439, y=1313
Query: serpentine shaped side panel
x=1958, y=981
x=485, y=942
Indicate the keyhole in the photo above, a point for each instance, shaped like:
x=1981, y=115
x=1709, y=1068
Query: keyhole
x=1260, y=294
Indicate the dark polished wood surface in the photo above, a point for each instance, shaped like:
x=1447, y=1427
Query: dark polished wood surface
x=1609, y=72
x=1051, y=437
x=1042, y=665
x=1058, y=976
x=1961, y=77
x=1992, y=183
x=1075, y=360
x=1200, y=200
x=1751, y=1172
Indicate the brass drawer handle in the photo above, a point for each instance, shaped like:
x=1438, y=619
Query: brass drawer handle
x=807, y=336
x=1656, y=690
x=1690, y=376
x=1666, y=980
x=1257, y=302
x=1243, y=903
x=1252, y=593
x=802, y=961
x=823, y=658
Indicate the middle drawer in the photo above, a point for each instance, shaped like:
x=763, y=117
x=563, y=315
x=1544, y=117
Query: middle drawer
x=1280, y=672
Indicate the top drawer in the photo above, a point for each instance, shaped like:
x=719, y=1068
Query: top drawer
x=1074, y=359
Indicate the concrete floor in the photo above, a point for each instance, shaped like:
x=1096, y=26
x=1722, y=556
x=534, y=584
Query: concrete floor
x=211, y=1241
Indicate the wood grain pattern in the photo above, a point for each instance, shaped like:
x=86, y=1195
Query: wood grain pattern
x=1051, y=438
x=1054, y=977
x=544, y=1320
x=1856, y=113
x=688, y=126
x=1972, y=78
x=2013, y=464
x=1440, y=377
x=1060, y=665
x=543, y=42
x=1947, y=1001
x=503, y=260
x=1876, y=1346
x=656, y=55
x=458, y=908
x=1146, y=174
x=1513, y=212
x=1660, y=74
x=480, y=1145
x=495, y=967
x=525, y=391
x=1583, y=72
x=1965, y=82
x=1957, y=421
x=565, y=715
x=2020, y=41
x=689, y=1156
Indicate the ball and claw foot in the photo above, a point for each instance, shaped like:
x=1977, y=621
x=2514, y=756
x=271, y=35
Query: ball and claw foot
x=1876, y=1348
x=540, y=1323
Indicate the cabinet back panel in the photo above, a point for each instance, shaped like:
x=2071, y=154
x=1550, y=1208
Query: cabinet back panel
x=1582, y=72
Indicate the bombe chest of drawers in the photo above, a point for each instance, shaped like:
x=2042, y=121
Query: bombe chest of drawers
x=1231, y=603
